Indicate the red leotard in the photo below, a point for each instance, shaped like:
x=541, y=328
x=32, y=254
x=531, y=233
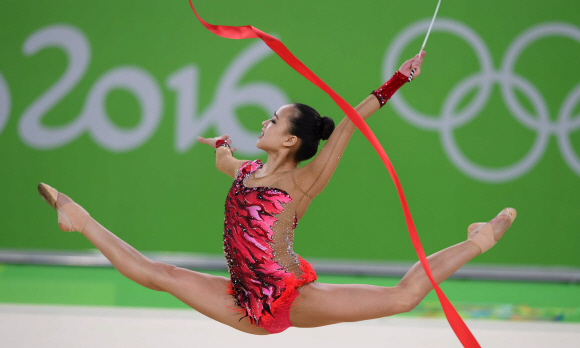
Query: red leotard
x=258, y=235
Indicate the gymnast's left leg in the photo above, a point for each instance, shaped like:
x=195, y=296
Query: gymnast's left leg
x=325, y=304
x=205, y=293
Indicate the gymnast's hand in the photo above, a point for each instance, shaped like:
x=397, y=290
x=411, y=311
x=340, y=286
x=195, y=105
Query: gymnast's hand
x=413, y=63
x=211, y=141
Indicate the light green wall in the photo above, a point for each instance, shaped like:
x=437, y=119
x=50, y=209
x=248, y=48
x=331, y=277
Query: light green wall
x=140, y=65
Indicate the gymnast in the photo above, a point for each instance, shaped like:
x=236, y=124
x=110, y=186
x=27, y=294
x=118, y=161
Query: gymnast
x=271, y=287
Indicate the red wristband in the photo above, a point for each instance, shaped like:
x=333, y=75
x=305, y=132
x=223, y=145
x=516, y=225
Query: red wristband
x=386, y=91
x=221, y=142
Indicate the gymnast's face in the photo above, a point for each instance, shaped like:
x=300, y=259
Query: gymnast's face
x=275, y=134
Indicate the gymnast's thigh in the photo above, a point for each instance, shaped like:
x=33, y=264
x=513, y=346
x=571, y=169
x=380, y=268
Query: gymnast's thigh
x=322, y=304
x=208, y=295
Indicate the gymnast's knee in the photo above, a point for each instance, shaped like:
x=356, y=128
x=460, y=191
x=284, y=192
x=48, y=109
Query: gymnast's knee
x=411, y=303
x=161, y=275
x=407, y=300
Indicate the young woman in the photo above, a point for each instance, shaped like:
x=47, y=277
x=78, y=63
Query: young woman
x=262, y=208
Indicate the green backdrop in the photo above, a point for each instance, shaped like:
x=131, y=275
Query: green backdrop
x=104, y=100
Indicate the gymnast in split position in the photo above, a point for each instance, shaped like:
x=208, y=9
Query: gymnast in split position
x=262, y=208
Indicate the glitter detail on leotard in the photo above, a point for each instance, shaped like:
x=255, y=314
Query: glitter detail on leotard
x=264, y=270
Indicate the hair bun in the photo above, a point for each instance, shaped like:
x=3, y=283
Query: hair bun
x=326, y=127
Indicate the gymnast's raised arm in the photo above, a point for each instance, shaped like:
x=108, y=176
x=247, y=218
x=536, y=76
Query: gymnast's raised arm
x=313, y=177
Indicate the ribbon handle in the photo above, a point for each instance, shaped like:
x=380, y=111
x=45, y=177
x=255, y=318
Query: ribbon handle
x=249, y=32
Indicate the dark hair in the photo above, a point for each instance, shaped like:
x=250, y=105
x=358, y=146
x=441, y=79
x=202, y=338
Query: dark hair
x=309, y=127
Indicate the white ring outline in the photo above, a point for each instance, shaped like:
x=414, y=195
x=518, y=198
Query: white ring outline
x=448, y=121
x=5, y=104
x=417, y=118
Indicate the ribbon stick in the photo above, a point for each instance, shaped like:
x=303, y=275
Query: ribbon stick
x=425, y=41
x=249, y=32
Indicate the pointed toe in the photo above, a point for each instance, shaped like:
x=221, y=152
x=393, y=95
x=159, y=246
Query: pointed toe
x=49, y=194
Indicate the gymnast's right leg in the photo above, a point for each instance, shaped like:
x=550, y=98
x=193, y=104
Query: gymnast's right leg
x=203, y=292
x=325, y=304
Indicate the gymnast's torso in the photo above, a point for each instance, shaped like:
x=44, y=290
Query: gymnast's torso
x=260, y=218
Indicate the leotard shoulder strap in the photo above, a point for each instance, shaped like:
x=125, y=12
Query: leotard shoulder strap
x=249, y=167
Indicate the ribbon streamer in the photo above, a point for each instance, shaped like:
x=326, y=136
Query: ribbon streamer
x=249, y=32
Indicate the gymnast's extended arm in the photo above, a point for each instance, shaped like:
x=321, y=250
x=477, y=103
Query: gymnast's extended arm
x=313, y=177
x=225, y=161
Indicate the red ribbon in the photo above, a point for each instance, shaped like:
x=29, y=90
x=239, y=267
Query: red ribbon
x=248, y=32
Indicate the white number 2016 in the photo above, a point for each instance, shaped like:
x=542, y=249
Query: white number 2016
x=94, y=119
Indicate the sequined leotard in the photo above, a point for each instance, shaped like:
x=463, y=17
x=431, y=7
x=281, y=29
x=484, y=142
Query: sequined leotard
x=258, y=236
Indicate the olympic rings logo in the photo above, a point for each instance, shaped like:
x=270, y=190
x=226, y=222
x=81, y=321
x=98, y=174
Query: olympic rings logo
x=449, y=119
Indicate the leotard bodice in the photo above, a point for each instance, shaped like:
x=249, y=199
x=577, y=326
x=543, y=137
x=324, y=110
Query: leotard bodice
x=258, y=236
